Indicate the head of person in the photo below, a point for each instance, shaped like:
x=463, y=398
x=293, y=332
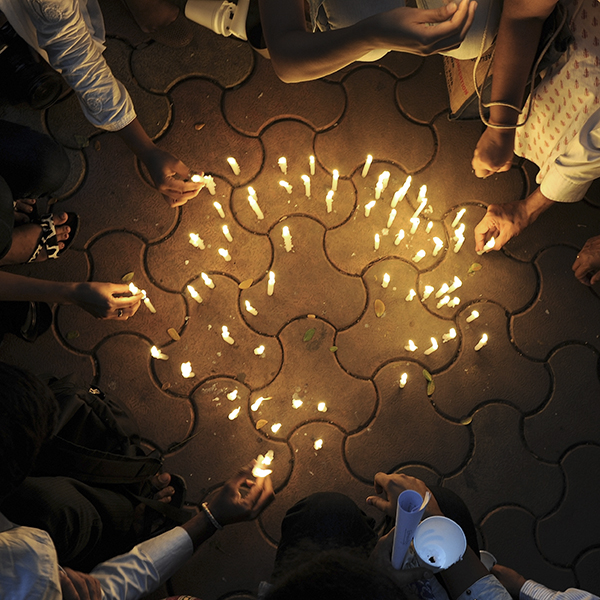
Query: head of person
x=335, y=575
x=28, y=411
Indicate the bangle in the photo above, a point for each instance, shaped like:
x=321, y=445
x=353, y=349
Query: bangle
x=211, y=517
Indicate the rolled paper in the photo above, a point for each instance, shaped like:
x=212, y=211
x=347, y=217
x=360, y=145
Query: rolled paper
x=367, y=166
x=410, y=509
x=234, y=165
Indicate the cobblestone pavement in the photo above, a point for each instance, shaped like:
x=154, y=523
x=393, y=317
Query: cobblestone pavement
x=513, y=427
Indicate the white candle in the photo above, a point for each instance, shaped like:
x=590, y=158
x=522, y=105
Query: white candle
x=459, y=244
x=438, y=246
x=403, y=380
x=156, y=353
x=133, y=288
x=443, y=301
x=224, y=253
x=391, y=218
x=384, y=178
x=420, y=209
x=322, y=407
x=386, y=280
x=219, y=208
x=186, y=370
x=368, y=207
x=454, y=302
x=427, y=292
x=411, y=346
x=256, y=404
x=334, y=180
x=148, y=304
x=474, y=315
x=311, y=163
x=449, y=336
x=282, y=162
x=234, y=413
x=429, y=227
x=194, y=294
x=415, y=224
x=488, y=246
x=225, y=335
x=306, y=180
x=255, y=207
x=252, y=192
x=297, y=403
x=422, y=192
x=232, y=395
x=433, y=348
x=367, y=166
x=455, y=285
x=420, y=255
x=208, y=282
x=411, y=295
x=210, y=184
x=197, y=241
x=275, y=427
x=399, y=237
x=482, y=342
x=458, y=217
x=458, y=233
x=329, y=200
x=286, y=185
x=399, y=195
x=443, y=290
x=318, y=444
x=259, y=469
x=234, y=165
x=227, y=234
x=250, y=308
x=271, y=283
x=376, y=242
x=196, y=178
x=378, y=190
x=287, y=238
x=260, y=350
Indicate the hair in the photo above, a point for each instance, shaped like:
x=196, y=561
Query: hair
x=335, y=575
x=28, y=412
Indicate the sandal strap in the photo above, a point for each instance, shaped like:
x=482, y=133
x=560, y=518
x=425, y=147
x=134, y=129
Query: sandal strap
x=47, y=240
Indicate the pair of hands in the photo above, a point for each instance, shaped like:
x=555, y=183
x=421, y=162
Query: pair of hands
x=106, y=300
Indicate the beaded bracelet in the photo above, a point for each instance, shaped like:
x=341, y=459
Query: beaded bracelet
x=211, y=517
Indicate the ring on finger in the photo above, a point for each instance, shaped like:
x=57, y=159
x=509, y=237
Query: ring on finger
x=120, y=313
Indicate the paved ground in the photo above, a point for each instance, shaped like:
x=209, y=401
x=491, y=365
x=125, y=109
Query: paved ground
x=513, y=428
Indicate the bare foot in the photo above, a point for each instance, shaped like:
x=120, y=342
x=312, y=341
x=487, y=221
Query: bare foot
x=152, y=15
x=164, y=492
x=25, y=240
x=23, y=208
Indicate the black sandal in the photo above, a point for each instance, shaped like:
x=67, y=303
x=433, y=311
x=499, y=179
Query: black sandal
x=48, y=240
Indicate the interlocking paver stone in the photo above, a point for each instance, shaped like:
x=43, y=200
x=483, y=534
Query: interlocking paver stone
x=586, y=570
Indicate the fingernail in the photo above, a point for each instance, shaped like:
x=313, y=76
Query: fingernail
x=164, y=477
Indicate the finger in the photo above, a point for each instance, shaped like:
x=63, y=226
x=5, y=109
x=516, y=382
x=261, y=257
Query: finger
x=244, y=473
x=67, y=587
x=481, y=232
x=125, y=302
x=379, y=503
x=595, y=278
x=174, y=202
x=79, y=583
x=93, y=587
x=381, y=481
x=267, y=496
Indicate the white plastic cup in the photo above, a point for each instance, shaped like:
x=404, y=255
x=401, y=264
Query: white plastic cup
x=439, y=543
x=221, y=16
x=488, y=559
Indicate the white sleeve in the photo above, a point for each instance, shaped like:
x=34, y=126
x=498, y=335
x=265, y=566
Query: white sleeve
x=63, y=34
x=572, y=173
x=536, y=591
x=486, y=588
x=141, y=571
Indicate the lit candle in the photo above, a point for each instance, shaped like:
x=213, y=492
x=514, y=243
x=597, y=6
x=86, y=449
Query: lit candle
x=311, y=163
x=411, y=346
x=454, y=302
x=197, y=241
x=420, y=255
x=148, y=304
x=391, y=218
x=286, y=185
x=219, y=208
x=225, y=335
x=282, y=162
x=420, y=209
x=271, y=283
x=232, y=395
x=403, y=380
x=194, y=294
x=488, y=246
x=386, y=280
x=287, y=238
x=306, y=180
x=474, y=315
x=234, y=413
x=429, y=227
x=186, y=370
x=227, y=234
x=410, y=296
x=458, y=233
x=378, y=190
x=384, y=178
x=449, y=336
x=196, y=178
x=443, y=290
x=368, y=207
x=250, y=308
x=297, y=403
x=224, y=253
x=438, y=246
x=318, y=444
x=275, y=427
x=322, y=407
x=458, y=217
x=156, y=353
x=433, y=348
x=482, y=342
x=329, y=200
x=427, y=292
x=415, y=223
x=367, y=166
x=234, y=165
x=252, y=192
x=260, y=350
x=210, y=184
x=443, y=301
x=256, y=404
x=422, y=192
x=399, y=237
x=399, y=195
x=334, y=180
x=459, y=244
x=133, y=288
x=255, y=207
x=455, y=285
x=208, y=282
x=376, y=241
x=262, y=462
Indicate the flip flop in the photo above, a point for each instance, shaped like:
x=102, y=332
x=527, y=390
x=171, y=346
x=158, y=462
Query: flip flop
x=27, y=320
x=48, y=240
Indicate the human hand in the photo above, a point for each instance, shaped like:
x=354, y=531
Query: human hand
x=424, y=32
x=230, y=505
x=389, y=487
x=381, y=558
x=511, y=580
x=587, y=264
x=106, y=300
x=78, y=586
x=494, y=152
x=171, y=177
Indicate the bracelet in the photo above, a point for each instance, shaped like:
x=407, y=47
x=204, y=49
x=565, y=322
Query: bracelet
x=211, y=517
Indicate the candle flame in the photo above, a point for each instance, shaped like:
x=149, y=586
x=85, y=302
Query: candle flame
x=403, y=380
x=156, y=353
x=318, y=444
x=275, y=427
x=322, y=407
x=411, y=346
x=297, y=403
x=259, y=469
x=186, y=370
x=232, y=395
x=234, y=413
x=260, y=350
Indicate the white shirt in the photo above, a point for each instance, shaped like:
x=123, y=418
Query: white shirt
x=536, y=591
